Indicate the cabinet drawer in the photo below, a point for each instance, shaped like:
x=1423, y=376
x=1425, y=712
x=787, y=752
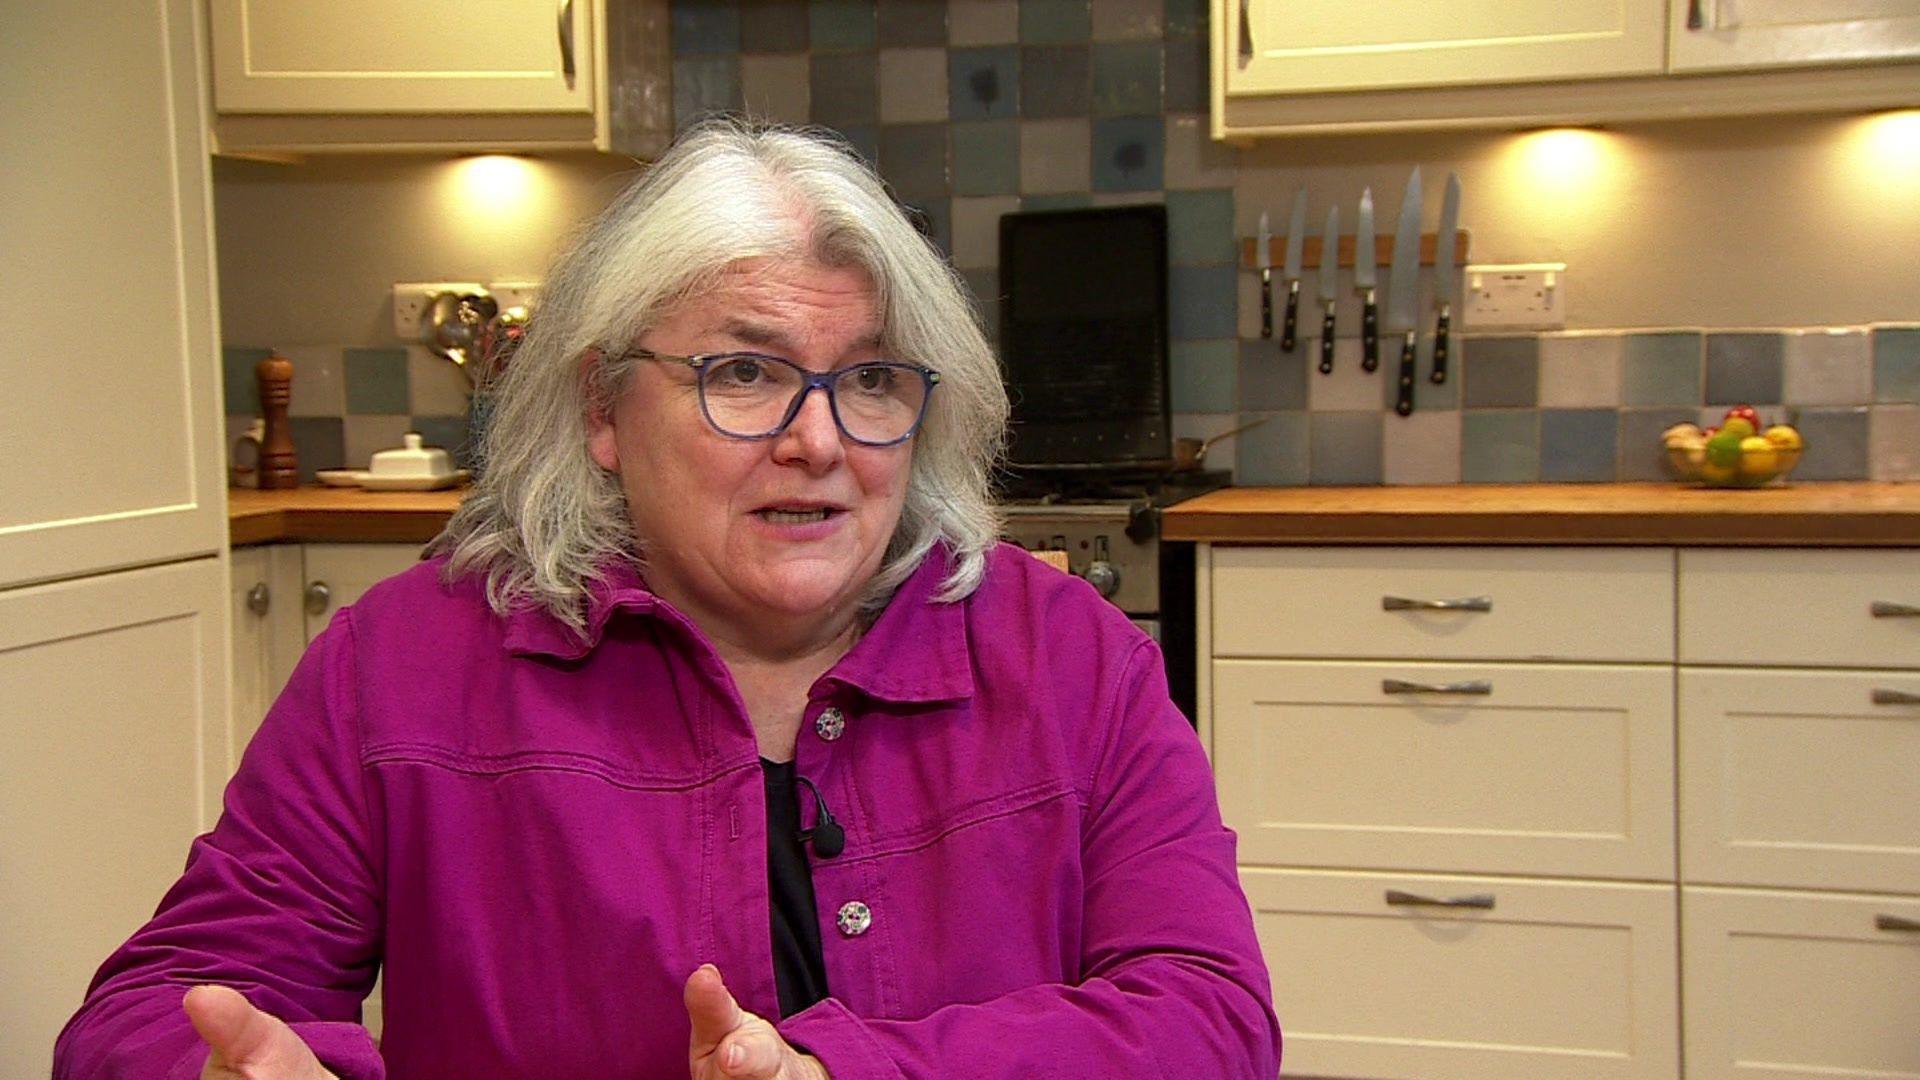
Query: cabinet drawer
x=1541, y=603
x=1553, y=770
x=1553, y=981
x=1800, y=607
x=1793, y=986
x=1799, y=779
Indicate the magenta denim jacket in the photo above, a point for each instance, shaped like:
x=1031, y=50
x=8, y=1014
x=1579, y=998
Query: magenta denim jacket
x=538, y=836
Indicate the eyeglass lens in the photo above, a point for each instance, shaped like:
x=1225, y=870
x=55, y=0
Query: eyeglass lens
x=748, y=397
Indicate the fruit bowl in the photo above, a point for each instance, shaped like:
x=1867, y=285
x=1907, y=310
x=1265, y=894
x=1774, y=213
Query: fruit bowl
x=1749, y=467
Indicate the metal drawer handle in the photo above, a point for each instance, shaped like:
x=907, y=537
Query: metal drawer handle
x=1895, y=922
x=1246, y=32
x=1465, y=603
x=1887, y=609
x=1402, y=686
x=1482, y=901
x=1895, y=697
x=259, y=598
x=565, y=29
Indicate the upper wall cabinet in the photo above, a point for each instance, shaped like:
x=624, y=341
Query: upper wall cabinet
x=1289, y=67
x=441, y=75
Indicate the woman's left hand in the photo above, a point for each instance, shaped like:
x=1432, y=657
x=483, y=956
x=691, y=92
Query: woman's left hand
x=730, y=1043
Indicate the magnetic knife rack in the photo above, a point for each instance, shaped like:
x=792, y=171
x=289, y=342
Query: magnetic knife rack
x=1382, y=251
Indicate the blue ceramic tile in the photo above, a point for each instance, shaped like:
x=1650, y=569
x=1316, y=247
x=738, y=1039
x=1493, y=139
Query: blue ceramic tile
x=913, y=158
x=449, y=433
x=1270, y=380
x=1661, y=369
x=1344, y=448
x=1836, y=444
x=983, y=84
x=985, y=287
x=1202, y=376
x=704, y=85
x=842, y=24
x=1896, y=364
x=845, y=88
x=319, y=442
x=1055, y=22
x=1055, y=81
x=986, y=158
x=1202, y=302
x=1186, y=75
x=913, y=22
x=1273, y=454
x=1129, y=153
x=1126, y=79
x=773, y=26
x=1186, y=18
x=1745, y=369
x=1495, y=372
x=1641, y=455
x=1500, y=446
x=242, y=387
x=1579, y=445
x=377, y=381
x=1200, y=228
x=705, y=26
x=1071, y=200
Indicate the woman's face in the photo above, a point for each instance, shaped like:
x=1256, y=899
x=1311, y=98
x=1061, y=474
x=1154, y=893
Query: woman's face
x=788, y=528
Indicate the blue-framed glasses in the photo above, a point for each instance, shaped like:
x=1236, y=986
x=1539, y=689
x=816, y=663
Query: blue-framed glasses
x=748, y=395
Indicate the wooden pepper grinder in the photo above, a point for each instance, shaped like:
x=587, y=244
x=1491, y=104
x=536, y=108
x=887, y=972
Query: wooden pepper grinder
x=278, y=466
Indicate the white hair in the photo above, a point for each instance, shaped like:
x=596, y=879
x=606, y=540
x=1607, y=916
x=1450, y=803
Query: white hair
x=544, y=519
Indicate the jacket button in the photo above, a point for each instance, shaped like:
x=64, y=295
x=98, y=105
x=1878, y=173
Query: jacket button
x=830, y=723
x=854, y=918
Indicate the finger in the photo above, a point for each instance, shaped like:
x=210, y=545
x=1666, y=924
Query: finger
x=711, y=1008
x=755, y=1052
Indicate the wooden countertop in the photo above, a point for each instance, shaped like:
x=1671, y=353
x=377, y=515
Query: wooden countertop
x=340, y=514
x=1807, y=514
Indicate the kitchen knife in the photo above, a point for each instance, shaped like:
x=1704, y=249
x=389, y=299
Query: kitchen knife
x=1296, y=238
x=1263, y=258
x=1329, y=276
x=1365, y=278
x=1445, y=279
x=1403, y=285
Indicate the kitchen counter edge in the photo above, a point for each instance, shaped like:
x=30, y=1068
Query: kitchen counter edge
x=340, y=515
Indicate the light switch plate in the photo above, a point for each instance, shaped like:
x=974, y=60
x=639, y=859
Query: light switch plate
x=410, y=301
x=1515, y=296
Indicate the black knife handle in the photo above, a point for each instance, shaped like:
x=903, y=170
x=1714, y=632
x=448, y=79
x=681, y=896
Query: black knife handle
x=1290, y=327
x=1369, y=334
x=1326, y=341
x=1409, y=346
x=1439, y=374
x=1266, y=303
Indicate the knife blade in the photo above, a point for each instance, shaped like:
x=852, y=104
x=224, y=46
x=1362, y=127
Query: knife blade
x=1296, y=238
x=1263, y=258
x=1365, y=279
x=1403, y=283
x=1329, y=281
x=1444, y=277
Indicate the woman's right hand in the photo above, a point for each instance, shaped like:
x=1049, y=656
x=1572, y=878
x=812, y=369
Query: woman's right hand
x=248, y=1044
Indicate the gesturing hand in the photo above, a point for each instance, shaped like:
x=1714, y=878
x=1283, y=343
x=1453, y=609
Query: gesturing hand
x=730, y=1043
x=248, y=1044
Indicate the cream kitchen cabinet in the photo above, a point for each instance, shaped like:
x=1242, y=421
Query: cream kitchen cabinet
x=1715, y=35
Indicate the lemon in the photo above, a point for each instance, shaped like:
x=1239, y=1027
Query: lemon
x=1784, y=437
x=1737, y=425
x=1759, y=459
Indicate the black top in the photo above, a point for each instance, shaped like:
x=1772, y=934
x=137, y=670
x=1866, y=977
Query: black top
x=799, y=971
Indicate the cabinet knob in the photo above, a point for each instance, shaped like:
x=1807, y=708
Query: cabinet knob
x=258, y=598
x=318, y=597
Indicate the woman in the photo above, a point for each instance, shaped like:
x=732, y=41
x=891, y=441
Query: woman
x=720, y=725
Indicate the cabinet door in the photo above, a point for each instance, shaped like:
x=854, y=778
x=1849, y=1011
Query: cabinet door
x=1800, y=986
x=428, y=56
x=1718, y=35
x=269, y=632
x=338, y=574
x=1553, y=981
x=1309, y=46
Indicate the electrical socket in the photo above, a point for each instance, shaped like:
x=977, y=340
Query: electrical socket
x=514, y=293
x=410, y=301
x=1517, y=296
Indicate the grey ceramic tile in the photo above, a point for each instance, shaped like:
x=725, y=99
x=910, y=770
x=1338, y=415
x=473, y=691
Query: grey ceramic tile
x=1201, y=302
x=913, y=158
x=1056, y=157
x=1893, y=442
x=1055, y=80
x=1194, y=160
x=913, y=22
x=1579, y=445
x=1661, y=369
x=1273, y=454
x=377, y=381
x=913, y=86
x=1069, y=200
x=1427, y=395
x=842, y=24
x=1828, y=367
x=976, y=229
x=986, y=158
x=1270, y=380
x=983, y=22
x=705, y=26
x=1495, y=372
x=1203, y=376
x=1641, y=455
x=1186, y=75
x=1836, y=444
x=1126, y=79
x=985, y=286
x=1200, y=227
x=1500, y=446
x=319, y=442
x=449, y=433
x=434, y=385
x=1579, y=371
x=1128, y=198
x=1128, y=153
x=1346, y=386
x=366, y=436
x=1344, y=448
x=1423, y=448
x=932, y=216
x=777, y=87
x=1896, y=364
x=1055, y=22
x=1128, y=20
x=844, y=88
x=983, y=83
x=240, y=386
x=1744, y=369
x=704, y=85
x=319, y=380
x=773, y=26
x=1186, y=18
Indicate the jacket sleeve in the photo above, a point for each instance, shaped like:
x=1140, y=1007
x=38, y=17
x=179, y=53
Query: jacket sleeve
x=280, y=901
x=1173, y=980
